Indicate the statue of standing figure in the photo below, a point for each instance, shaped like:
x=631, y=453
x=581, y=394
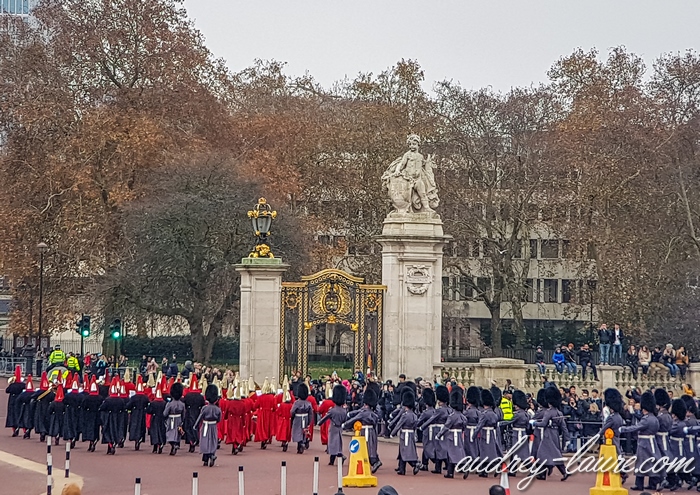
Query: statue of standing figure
x=411, y=182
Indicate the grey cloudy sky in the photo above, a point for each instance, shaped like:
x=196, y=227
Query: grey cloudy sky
x=486, y=43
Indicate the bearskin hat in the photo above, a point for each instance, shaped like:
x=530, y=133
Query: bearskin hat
x=678, y=409
x=474, y=396
x=689, y=404
x=429, y=397
x=662, y=399
x=497, y=394
x=648, y=403
x=302, y=391
x=457, y=399
x=487, y=398
x=176, y=391
x=520, y=399
x=410, y=386
x=370, y=398
x=340, y=395
x=211, y=393
x=442, y=394
x=613, y=399
x=408, y=398
x=541, y=401
x=553, y=396
x=375, y=387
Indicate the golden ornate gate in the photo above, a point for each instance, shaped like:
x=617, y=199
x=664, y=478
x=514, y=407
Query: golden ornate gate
x=331, y=297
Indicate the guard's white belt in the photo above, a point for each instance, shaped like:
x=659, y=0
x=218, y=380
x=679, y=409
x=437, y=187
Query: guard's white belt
x=172, y=419
x=206, y=427
x=652, y=441
x=664, y=441
x=680, y=444
x=455, y=434
x=471, y=432
x=303, y=419
x=367, y=428
x=488, y=429
x=405, y=439
x=430, y=429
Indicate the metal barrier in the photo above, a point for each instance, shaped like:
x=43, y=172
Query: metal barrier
x=8, y=365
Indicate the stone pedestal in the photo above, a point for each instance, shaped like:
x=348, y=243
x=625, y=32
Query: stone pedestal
x=261, y=290
x=412, y=272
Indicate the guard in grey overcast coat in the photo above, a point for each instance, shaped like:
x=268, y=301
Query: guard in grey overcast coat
x=473, y=414
x=369, y=420
x=337, y=415
x=434, y=424
x=405, y=429
x=646, y=430
x=174, y=414
x=428, y=441
x=520, y=424
x=554, y=425
x=209, y=417
x=452, y=434
x=489, y=448
x=301, y=418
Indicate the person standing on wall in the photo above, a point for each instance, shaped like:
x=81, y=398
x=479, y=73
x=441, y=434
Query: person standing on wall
x=604, y=339
x=616, y=337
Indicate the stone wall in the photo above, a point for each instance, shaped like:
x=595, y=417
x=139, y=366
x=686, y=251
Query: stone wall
x=526, y=377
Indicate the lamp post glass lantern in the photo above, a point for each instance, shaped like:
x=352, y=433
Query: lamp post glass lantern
x=261, y=217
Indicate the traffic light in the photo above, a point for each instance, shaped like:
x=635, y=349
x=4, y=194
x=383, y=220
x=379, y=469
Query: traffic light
x=116, y=328
x=83, y=325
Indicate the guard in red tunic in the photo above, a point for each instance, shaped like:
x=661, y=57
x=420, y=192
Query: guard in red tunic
x=284, y=417
x=249, y=397
x=235, y=418
x=323, y=409
x=265, y=412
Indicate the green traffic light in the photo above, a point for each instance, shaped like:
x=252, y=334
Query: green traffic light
x=85, y=332
x=116, y=334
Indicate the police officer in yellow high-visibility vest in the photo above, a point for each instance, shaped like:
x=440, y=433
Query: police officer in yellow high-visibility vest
x=56, y=358
x=507, y=405
x=72, y=363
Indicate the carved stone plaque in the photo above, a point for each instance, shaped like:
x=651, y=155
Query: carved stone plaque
x=418, y=279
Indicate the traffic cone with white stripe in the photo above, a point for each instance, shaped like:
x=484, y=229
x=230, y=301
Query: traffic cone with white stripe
x=504, y=478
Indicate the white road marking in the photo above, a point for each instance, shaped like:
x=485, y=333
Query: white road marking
x=59, y=481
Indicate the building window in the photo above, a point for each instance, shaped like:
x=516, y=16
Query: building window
x=476, y=248
x=517, y=250
x=550, y=288
x=530, y=290
x=446, y=288
x=533, y=249
x=568, y=294
x=566, y=249
x=591, y=253
x=464, y=288
x=483, y=284
x=550, y=249
x=16, y=7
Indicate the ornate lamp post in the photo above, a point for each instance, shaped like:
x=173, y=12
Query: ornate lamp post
x=261, y=217
x=43, y=247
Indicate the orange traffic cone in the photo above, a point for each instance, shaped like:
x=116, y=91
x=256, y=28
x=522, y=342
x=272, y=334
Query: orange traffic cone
x=504, y=478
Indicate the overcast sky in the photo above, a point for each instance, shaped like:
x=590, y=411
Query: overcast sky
x=477, y=43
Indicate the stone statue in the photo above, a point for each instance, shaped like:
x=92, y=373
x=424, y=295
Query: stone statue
x=411, y=182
